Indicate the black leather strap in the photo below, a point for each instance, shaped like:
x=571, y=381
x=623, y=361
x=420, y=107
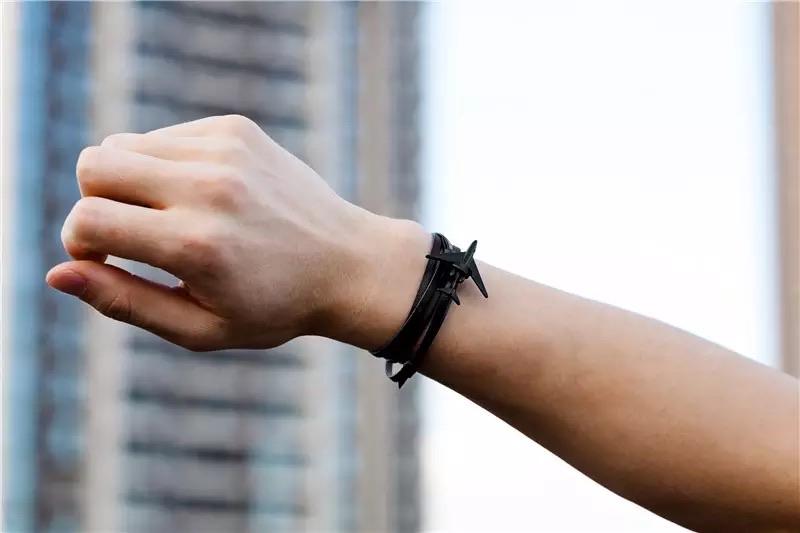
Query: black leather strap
x=400, y=349
x=411, y=367
x=446, y=269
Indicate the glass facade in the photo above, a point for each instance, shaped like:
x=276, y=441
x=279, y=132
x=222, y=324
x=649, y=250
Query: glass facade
x=46, y=387
x=209, y=442
x=223, y=448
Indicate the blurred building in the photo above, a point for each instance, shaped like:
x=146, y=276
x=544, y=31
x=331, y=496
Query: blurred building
x=112, y=429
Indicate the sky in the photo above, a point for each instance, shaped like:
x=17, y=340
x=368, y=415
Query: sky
x=616, y=150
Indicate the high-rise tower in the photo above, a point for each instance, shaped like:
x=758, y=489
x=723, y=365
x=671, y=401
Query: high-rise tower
x=110, y=428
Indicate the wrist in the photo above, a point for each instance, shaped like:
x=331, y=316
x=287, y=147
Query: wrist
x=382, y=261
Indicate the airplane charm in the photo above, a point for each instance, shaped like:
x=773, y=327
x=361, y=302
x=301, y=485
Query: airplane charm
x=464, y=263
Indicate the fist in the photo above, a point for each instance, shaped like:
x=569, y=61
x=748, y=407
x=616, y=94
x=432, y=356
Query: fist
x=264, y=248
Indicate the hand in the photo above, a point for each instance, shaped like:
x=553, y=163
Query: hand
x=265, y=250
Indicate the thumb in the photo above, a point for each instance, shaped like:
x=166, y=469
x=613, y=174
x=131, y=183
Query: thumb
x=167, y=312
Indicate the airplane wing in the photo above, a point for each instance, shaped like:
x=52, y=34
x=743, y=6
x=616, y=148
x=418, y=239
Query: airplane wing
x=476, y=277
x=453, y=258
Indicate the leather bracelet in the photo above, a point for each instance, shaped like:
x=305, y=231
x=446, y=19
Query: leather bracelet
x=446, y=269
x=411, y=367
x=400, y=348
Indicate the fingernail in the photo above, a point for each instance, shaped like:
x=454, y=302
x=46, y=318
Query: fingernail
x=69, y=282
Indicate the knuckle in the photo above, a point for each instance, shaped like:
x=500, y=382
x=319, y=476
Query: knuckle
x=226, y=189
x=117, y=307
x=89, y=163
x=232, y=152
x=80, y=224
x=71, y=244
x=238, y=126
x=117, y=140
x=200, y=248
x=86, y=210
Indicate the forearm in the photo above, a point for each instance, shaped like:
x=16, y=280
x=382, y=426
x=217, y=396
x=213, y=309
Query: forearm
x=692, y=431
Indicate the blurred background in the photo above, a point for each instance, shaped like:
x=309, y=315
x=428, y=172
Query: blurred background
x=642, y=154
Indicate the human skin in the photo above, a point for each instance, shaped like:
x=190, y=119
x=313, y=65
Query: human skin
x=266, y=252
